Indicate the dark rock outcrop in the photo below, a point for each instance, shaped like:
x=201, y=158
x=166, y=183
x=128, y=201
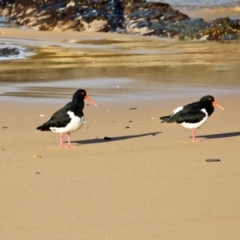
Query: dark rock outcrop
x=122, y=16
x=7, y=52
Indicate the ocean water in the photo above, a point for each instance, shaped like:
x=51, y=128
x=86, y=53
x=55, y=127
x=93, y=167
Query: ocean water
x=201, y=3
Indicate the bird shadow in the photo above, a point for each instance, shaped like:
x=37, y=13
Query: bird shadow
x=112, y=139
x=220, y=135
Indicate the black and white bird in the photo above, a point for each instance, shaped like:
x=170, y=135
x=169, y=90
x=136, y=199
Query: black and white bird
x=193, y=115
x=69, y=118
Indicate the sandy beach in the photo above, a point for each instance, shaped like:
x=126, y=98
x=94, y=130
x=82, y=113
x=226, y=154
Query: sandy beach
x=149, y=181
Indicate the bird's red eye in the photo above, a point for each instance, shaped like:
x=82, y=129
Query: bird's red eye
x=82, y=93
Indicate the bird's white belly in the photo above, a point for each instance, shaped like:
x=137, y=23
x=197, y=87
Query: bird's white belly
x=75, y=123
x=198, y=124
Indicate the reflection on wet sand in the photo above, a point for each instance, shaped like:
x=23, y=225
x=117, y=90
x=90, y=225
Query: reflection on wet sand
x=145, y=62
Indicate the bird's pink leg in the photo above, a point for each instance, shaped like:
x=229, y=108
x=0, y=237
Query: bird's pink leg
x=194, y=135
x=69, y=141
x=61, y=140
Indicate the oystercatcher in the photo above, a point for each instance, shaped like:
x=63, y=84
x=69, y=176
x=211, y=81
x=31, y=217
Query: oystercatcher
x=193, y=115
x=69, y=118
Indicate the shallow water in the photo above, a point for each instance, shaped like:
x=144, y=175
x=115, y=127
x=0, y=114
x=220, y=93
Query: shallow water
x=118, y=69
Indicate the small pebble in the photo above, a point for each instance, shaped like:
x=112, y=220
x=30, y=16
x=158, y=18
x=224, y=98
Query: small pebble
x=213, y=160
x=127, y=127
x=42, y=115
x=37, y=156
x=129, y=121
x=132, y=108
x=4, y=127
x=38, y=173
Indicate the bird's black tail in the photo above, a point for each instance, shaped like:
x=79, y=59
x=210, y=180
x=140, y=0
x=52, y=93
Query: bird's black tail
x=43, y=128
x=165, y=118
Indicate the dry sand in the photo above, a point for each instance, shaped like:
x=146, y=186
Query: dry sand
x=149, y=182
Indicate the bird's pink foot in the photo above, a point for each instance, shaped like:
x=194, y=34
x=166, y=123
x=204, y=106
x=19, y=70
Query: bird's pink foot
x=71, y=146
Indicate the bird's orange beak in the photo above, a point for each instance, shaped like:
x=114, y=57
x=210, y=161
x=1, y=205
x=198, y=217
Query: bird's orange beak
x=217, y=105
x=90, y=100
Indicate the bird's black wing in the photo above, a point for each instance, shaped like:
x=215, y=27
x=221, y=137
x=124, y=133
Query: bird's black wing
x=193, y=108
x=192, y=116
x=58, y=119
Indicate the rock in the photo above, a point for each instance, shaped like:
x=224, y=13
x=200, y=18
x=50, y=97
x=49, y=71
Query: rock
x=6, y=12
x=6, y=52
x=99, y=26
x=122, y=16
x=213, y=160
x=70, y=24
x=30, y=11
x=220, y=28
x=29, y=21
x=45, y=18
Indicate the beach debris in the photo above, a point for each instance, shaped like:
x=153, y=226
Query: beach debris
x=107, y=138
x=130, y=121
x=127, y=127
x=37, y=172
x=4, y=127
x=132, y=108
x=42, y=115
x=213, y=160
x=37, y=156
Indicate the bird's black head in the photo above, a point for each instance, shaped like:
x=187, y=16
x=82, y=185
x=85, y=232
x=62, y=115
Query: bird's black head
x=80, y=95
x=210, y=101
x=207, y=99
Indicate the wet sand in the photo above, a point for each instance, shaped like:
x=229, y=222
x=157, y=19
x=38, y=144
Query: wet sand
x=149, y=181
